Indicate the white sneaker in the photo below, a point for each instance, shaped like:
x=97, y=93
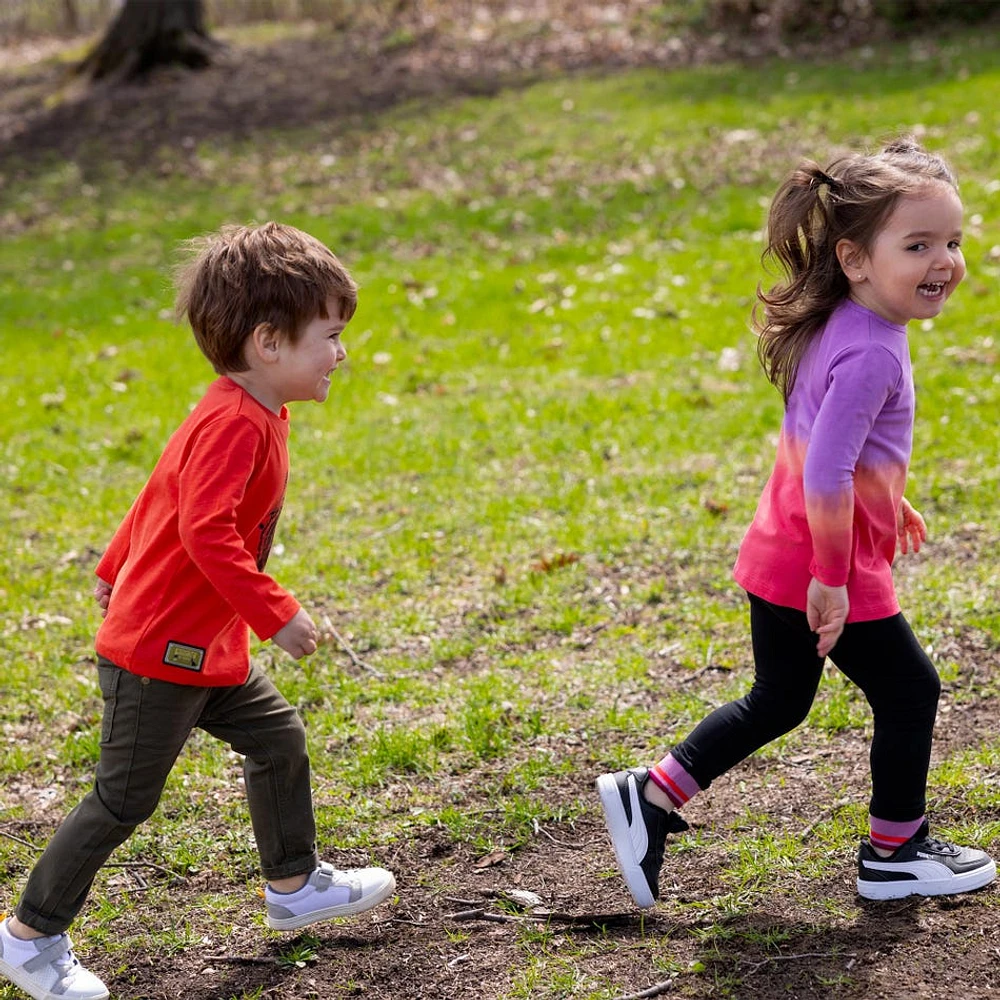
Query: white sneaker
x=638, y=831
x=922, y=866
x=327, y=894
x=47, y=969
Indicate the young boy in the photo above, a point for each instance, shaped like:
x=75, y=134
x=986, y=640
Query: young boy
x=181, y=584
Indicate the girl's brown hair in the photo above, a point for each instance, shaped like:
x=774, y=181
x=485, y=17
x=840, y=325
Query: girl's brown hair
x=812, y=212
x=243, y=276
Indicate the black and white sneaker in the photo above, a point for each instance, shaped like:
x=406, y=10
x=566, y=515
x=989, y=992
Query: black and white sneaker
x=922, y=866
x=638, y=831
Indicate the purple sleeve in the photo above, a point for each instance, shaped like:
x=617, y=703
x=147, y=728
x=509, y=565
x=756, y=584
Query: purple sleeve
x=858, y=383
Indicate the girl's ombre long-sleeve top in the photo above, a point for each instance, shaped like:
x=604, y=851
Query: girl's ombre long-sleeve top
x=830, y=507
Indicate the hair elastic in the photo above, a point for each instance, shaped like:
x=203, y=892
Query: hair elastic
x=820, y=177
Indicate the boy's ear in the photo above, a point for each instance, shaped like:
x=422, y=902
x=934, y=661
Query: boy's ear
x=852, y=260
x=264, y=341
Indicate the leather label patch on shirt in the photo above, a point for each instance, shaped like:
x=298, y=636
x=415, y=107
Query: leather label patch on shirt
x=187, y=657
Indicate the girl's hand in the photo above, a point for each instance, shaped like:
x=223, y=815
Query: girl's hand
x=102, y=594
x=910, y=528
x=826, y=610
x=299, y=637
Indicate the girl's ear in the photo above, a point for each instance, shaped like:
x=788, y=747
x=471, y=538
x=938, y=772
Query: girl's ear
x=264, y=343
x=852, y=260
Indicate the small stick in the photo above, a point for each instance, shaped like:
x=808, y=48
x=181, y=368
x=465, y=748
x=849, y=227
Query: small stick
x=137, y=878
x=562, y=843
x=480, y=914
x=588, y=919
x=657, y=989
x=176, y=876
x=826, y=813
x=355, y=659
x=806, y=954
x=129, y=891
x=108, y=864
x=547, y=917
x=381, y=533
x=18, y=840
x=702, y=670
x=241, y=959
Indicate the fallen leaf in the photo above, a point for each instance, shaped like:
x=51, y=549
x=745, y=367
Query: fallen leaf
x=491, y=859
x=529, y=900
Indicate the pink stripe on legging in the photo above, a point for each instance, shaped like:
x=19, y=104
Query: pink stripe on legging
x=674, y=780
x=888, y=835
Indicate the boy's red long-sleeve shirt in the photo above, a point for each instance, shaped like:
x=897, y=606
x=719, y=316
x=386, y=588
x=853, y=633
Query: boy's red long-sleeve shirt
x=187, y=563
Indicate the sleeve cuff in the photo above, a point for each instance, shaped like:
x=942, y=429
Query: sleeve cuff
x=828, y=576
x=266, y=627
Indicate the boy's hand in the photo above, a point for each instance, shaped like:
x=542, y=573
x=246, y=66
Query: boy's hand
x=298, y=638
x=826, y=610
x=102, y=594
x=910, y=527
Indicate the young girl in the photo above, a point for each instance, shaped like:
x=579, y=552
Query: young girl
x=865, y=246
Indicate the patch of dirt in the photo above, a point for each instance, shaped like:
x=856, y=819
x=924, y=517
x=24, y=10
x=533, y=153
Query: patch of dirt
x=449, y=933
x=428, y=51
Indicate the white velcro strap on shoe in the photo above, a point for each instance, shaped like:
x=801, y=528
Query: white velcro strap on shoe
x=48, y=955
x=323, y=877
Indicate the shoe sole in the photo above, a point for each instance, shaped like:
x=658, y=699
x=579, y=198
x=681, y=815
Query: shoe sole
x=23, y=981
x=618, y=828
x=966, y=882
x=343, y=910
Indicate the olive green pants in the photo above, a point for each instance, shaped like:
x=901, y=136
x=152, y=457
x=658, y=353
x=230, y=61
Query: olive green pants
x=146, y=723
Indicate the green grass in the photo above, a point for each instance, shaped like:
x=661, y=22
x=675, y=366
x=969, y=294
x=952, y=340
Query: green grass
x=523, y=500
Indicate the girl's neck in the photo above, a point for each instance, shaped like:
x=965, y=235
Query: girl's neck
x=854, y=300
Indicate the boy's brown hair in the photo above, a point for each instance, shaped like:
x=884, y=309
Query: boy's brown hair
x=243, y=276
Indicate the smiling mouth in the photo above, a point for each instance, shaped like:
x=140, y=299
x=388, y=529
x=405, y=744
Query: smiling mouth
x=932, y=289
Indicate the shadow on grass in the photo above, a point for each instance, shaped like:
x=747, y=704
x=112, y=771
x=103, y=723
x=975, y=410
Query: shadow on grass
x=768, y=957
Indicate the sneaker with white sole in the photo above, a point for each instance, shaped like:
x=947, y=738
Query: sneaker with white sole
x=638, y=831
x=328, y=893
x=922, y=866
x=46, y=968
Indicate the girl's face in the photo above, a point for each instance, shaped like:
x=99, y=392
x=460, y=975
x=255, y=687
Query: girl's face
x=916, y=260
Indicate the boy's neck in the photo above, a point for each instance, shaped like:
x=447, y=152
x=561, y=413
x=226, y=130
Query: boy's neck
x=258, y=388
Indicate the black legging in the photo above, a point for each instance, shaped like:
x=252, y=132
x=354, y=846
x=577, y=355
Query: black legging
x=882, y=657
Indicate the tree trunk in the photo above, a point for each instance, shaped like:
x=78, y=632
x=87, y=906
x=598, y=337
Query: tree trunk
x=151, y=33
x=71, y=19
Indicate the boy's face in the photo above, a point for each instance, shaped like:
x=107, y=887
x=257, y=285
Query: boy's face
x=305, y=366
